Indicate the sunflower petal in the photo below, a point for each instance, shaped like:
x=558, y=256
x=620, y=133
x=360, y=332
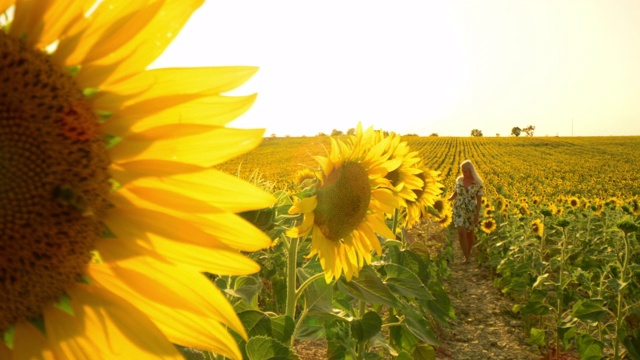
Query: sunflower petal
x=304, y=205
x=181, y=327
x=142, y=49
x=30, y=343
x=104, y=326
x=191, y=109
x=226, y=191
x=168, y=286
x=193, y=144
x=28, y=19
x=158, y=83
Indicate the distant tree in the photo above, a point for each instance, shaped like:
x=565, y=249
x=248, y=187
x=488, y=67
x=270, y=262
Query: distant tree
x=321, y=134
x=336, y=132
x=411, y=134
x=529, y=130
x=351, y=131
x=516, y=131
x=434, y=134
x=385, y=133
x=497, y=134
x=476, y=132
x=274, y=135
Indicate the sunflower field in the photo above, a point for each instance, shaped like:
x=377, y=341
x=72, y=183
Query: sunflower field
x=559, y=232
x=134, y=224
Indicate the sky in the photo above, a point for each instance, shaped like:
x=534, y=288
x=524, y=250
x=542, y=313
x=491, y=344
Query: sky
x=569, y=68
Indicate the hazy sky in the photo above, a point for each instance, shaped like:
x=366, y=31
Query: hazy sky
x=424, y=66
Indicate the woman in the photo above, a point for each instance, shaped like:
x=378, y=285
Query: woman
x=467, y=194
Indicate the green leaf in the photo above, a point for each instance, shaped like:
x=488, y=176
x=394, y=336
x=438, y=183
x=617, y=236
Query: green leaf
x=536, y=305
x=404, y=355
x=403, y=281
x=540, y=280
x=536, y=337
x=632, y=343
x=424, y=352
x=367, y=327
x=311, y=327
x=589, y=310
x=255, y=323
x=318, y=294
x=247, y=287
x=588, y=347
x=369, y=288
x=440, y=308
x=8, y=336
x=64, y=304
x=282, y=327
x=419, y=326
x=264, y=348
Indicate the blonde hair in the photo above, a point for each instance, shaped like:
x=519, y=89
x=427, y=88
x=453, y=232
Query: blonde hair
x=476, y=178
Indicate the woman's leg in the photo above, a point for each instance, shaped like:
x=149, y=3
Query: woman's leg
x=462, y=237
x=470, y=239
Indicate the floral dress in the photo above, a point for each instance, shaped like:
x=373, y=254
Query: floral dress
x=464, y=208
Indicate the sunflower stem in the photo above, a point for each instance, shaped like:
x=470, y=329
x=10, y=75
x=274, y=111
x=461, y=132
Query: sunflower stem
x=395, y=221
x=291, y=278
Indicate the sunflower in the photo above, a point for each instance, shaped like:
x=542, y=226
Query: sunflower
x=348, y=206
x=634, y=205
x=110, y=210
x=405, y=177
x=489, y=211
x=488, y=225
x=444, y=208
x=537, y=226
x=500, y=204
x=574, y=202
x=425, y=197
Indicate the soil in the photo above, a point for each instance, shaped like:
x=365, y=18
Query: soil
x=485, y=327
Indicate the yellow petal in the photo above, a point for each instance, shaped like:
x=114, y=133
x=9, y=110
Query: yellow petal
x=30, y=343
x=158, y=83
x=378, y=225
x=180, y=326
x=304, y=228
x=58, y=18
x=193, y=144
x=28, y=19
x=77, y=41
x=304, y=205
x=187, y=109
x=104, y=326
x=213, y=187
x=121, y=32
x=4, y=4
x=131, y=170
x=198, y=254
x=143, y=48
x=165, y=285
x=232, y=230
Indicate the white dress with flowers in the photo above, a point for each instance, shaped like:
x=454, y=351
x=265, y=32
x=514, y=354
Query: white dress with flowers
x=464, y=208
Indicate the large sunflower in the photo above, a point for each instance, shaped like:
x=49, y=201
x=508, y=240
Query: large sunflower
x=110, y=211
x=425, y=196
x=348, y=205
x=405, y=179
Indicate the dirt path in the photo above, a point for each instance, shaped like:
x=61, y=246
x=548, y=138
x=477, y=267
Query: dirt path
x=484, y=328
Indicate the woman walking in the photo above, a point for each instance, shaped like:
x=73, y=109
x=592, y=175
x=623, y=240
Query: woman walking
x=467, y=193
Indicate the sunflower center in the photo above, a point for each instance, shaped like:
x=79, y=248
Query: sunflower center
x=343, y=201
x=54, y=181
